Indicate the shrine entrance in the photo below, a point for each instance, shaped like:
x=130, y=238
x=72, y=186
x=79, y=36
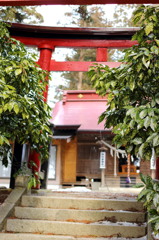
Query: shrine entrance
x=48, y=39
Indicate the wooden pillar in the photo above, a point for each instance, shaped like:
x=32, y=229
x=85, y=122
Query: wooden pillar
x=128, y=180
x=157, y=168
x=102, y=55
x=115, y=163
x=44, y=62
x=16, y=162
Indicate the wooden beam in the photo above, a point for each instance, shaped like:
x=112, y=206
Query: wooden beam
x=73, y=43
x=45, y=32
x=78, y=66
x=102, y=55
x=73, y=2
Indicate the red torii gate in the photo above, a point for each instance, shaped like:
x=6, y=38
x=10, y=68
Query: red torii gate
x=73, y=2
x=46, y=39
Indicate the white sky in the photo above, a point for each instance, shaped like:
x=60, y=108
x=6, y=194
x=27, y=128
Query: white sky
x=55, y=13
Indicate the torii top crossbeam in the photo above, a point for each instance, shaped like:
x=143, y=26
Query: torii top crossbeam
x=73, y=2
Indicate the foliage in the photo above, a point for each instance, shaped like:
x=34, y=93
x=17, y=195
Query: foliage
x=86, y=16
x=150, y=198
x=123, y=15
x=24, y=116
x=20, y=14
x=133, y=89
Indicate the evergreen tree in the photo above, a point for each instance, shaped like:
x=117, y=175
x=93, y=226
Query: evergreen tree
x=123, y=15
x=133, y=90
x=84, y=16
x=20, y=14
x=24, y=116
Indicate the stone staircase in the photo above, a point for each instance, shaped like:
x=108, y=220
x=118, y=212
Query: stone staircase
x=68, y=217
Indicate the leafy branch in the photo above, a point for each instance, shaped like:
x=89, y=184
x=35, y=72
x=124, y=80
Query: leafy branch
x=132, y=89
x=24, y=116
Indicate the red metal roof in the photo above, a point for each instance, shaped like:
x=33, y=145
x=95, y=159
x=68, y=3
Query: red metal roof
x=80, y=108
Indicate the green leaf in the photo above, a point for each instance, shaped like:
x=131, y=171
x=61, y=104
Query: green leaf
x=157, y=100
x=142, y=195
x=141, y=148
x=132, y=85
x=18, y=71
x=8, y=69
x=157, y=41
x=143, y=113
x=151, y=137
x=151, y=112
x=143, y=178
x=145, y=63
x=137, y=141
x=153, y=124
x=10, y=106
x=1, y=140
x=156, y=141
x=156, y=200
x=156, y=187
x=153, y=220
x=147, y=122
x=16, y=108
x=138, y=185
x=149, y=28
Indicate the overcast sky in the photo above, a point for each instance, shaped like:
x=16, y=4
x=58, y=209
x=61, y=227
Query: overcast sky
x=56, y=13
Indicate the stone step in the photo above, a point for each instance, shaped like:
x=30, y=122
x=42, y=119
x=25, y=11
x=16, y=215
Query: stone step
x=80, y=203
x=23, y=236
x=98, y=229
x=78, y=215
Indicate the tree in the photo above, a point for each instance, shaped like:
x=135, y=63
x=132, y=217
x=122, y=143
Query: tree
x=133, y=89
x=133, y=101
x=24, y=116
x=20, y=14
x=123, y=15
x=84, y=16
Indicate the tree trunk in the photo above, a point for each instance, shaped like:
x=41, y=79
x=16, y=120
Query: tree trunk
x=16, y=162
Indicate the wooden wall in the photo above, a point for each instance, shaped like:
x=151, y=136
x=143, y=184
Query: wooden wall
x=69, y=158
x=145, y=167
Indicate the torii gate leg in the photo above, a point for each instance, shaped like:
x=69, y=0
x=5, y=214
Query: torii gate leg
x=44, y=62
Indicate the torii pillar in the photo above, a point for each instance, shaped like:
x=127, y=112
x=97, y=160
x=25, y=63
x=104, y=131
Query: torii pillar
x=44, y=62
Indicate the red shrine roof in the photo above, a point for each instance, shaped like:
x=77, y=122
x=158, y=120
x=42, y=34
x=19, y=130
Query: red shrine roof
x=81, y=108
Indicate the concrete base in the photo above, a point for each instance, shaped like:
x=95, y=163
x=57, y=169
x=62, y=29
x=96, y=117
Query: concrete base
x=20, y=236
x=120, y=190
x=75, y=229
x=6, y=209
x=80, y=203
x=78, y=215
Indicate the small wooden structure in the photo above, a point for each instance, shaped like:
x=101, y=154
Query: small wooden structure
x=77, y=136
